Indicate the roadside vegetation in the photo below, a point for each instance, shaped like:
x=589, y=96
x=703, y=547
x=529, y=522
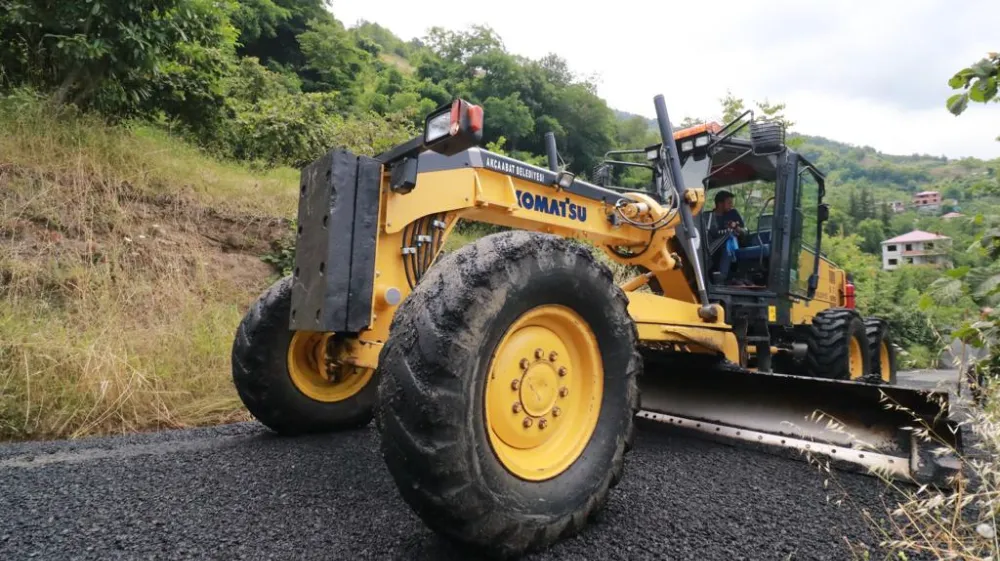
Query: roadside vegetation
x=126, y=258
x=960, y=521
x=148, y=171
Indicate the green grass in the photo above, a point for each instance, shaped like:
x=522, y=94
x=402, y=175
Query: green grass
x=101, y=331
x=61, y=146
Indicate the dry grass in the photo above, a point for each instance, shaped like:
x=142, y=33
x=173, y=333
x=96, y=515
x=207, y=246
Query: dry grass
x=126, y=262
x=956, y=522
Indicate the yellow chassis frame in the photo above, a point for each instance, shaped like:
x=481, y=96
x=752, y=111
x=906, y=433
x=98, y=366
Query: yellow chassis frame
x=483, y=195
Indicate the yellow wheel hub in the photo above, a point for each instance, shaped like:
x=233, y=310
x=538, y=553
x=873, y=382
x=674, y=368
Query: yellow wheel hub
x=857, y=361
x=309, y=371
x=543, y=394
x=884, y=366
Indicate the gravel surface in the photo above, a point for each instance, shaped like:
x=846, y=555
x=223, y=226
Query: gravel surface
x=239, y=492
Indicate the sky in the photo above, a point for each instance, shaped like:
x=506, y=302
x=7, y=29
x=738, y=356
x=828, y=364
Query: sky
x=869, y=73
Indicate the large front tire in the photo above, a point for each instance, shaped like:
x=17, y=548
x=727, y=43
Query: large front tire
x=507, y=392
x=280, y=374
x=838, y=345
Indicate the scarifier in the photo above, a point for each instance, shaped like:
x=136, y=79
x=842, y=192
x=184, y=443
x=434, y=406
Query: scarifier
x=506, y=377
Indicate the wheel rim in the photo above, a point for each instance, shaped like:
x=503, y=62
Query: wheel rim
x=543, y=392
x=885, y=366
x=308, y=372
x=857, y=363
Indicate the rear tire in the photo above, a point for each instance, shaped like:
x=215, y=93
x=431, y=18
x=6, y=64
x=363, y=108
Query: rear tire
x=838, y=345
x=881, y=350
x=439, y=375
x=261, y=373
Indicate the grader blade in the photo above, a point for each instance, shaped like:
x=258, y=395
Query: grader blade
x=887, y=429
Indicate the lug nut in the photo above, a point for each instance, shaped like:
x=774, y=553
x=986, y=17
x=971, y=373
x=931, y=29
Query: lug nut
x=553, y=356
x=556, y=411
x=515, y=383
x=524, y=364
x=563, y=371
x=527, y=422
x=516, y=407
x=563, y=391
x=539, y=353
x=542, y=423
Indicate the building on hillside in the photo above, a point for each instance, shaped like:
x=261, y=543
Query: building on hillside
x=897, y=206
x=951, y=215
x=927, y=200
x=916, y=248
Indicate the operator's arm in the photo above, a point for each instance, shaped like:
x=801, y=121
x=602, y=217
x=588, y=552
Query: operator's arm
x=715, y=228
x=734, y=216
x=739, y=219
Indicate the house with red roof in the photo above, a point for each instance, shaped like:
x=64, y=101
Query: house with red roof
x=916, y=248
x=927, y=200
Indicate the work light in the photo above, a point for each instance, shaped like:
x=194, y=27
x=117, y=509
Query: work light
x=453, y=127
x=565, y=179
x=438, y=126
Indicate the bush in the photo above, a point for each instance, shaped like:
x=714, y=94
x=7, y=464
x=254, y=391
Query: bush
x=125, y=59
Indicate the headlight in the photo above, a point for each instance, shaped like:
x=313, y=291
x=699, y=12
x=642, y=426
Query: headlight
x=438, y=127
x=701, y=141
x=453, y=127
x=652, y=154
x=687, y=145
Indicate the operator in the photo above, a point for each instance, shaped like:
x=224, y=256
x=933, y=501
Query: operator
x=724, y=227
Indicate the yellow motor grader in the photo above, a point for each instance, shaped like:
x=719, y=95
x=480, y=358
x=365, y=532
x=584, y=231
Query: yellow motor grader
x=506, y=377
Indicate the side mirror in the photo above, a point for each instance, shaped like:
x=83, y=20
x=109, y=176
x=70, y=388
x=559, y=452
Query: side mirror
x=823, y=213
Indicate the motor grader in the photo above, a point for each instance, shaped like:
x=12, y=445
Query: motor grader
x=506, y=377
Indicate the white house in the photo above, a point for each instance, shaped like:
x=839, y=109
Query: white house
x=915, y=248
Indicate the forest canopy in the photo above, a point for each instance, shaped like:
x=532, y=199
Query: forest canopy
x=280, y=82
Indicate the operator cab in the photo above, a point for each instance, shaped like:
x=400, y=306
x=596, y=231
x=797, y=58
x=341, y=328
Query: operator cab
x=735, y=224
x=745, y=167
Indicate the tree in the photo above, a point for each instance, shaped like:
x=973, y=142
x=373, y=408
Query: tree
x=333, y=55
x=866, y=206
x=689, y=122
x=125, y=59
x=732, y=107
x=853, y=210
x=871, y=232
x=885, y=215
x=459, y=46
x=774, y=112
x=978, y=82
x=269, y=30
x=509, y=115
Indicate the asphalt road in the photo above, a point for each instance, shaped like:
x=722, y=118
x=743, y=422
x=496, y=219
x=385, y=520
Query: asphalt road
x=239, y=492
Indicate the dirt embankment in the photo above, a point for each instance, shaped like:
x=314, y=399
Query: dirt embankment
x=118, y=305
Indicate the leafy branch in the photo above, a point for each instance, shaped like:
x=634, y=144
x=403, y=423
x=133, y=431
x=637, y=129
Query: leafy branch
x=978, y=82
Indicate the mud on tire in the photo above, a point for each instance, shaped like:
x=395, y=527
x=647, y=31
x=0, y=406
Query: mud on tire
x=432, y=380
x=260, y=373
x=829, y=343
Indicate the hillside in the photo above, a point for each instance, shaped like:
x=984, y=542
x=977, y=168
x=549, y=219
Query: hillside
x=143, y=185
x=126, y=260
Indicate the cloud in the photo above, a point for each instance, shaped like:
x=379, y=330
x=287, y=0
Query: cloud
x=865, y=72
